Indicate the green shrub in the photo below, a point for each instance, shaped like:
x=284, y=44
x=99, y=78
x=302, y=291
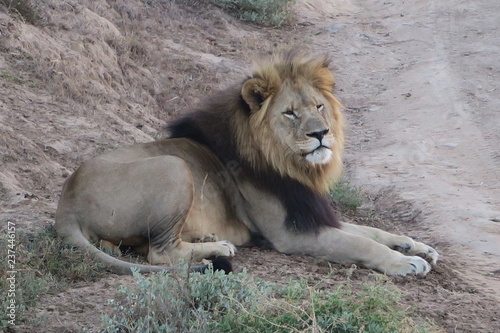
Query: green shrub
x=266, y=12
x=181, y=302
x=214, y=302
x=346, y=196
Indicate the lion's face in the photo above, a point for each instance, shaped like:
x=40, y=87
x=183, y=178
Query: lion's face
x=295, y=123
x=301, y=118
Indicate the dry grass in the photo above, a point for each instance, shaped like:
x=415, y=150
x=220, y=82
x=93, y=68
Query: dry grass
x=118, y=58
x=43, y=263
x=24, y=9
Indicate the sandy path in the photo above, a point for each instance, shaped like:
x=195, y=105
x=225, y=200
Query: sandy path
x=425, y=78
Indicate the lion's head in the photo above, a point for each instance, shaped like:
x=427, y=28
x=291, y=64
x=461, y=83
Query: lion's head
x=295, y=123
x=284, y=120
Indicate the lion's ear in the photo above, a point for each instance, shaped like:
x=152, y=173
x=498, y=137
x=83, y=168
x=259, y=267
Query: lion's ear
x=254, y=93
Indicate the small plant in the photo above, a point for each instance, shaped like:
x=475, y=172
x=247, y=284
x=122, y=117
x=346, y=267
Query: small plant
x=22, y=8
x=214, y=302
x=42, y=263
x=12, y=78
x=266, y=12
x=346, y=196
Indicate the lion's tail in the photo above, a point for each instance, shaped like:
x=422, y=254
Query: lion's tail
x=76, y=237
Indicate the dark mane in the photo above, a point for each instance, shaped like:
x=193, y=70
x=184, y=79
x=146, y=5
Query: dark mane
x=211, y=126
x=306, y=210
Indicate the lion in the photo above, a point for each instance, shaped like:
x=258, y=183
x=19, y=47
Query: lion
x=254, y=161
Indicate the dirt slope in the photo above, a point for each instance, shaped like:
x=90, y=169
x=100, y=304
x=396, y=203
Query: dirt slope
x=91, y=76
x=421, y=107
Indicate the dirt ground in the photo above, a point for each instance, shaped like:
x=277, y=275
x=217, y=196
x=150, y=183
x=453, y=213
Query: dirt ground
x=418, y=80
x=429, y=119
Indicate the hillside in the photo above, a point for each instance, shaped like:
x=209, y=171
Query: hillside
x=86, y=76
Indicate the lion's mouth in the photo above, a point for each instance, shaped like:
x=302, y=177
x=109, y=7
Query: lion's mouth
x=319, y=147
x=319, y=155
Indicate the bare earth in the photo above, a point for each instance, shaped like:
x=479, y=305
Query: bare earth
x=419, y=81
x=430, y=114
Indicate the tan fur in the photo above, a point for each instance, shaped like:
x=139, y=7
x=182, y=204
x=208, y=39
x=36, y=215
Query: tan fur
x=182, y=199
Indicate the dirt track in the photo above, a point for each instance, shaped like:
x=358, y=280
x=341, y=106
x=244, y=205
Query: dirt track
x=424, y=79
x=418, y=81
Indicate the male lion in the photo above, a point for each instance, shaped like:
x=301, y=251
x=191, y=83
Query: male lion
x=255, y=160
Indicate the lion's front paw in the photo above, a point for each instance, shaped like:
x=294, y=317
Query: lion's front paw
x=411, y=248
x=425, y=251
x=226, y=249
x=405, y=265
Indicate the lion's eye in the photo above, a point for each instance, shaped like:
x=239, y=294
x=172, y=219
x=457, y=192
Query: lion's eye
x=320, y=107
x=290, y=114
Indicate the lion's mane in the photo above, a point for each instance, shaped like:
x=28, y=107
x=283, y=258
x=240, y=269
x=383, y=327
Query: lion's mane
x=244, y=144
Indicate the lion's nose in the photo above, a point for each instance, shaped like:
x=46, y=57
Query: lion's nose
x=318, y=135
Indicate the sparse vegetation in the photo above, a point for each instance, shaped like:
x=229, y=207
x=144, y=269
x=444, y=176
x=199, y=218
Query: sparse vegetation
x=43, y=263
x=12, y=78
x=346, y=196
x=270, y=13
x=22, y=8
x=215, y=302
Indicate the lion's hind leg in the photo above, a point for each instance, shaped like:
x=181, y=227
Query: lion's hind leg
x=199, y=237
x=402, y=244
x=168, y=244
x=160, y=200
x=110, y=248
x=191, y=252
